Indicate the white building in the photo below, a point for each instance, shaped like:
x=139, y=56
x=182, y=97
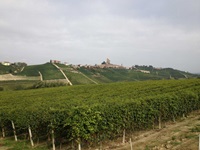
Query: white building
x=6, y=63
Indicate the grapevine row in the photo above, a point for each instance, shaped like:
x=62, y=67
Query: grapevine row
x=95, y=113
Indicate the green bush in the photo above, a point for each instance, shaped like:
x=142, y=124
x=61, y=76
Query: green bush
x=45, y=84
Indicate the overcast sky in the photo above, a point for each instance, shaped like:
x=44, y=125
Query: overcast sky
x=162, y=33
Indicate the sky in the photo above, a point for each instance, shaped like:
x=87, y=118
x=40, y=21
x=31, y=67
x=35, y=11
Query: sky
x=162, y=33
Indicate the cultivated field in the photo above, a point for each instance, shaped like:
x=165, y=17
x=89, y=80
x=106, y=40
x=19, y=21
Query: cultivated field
x=94, y=114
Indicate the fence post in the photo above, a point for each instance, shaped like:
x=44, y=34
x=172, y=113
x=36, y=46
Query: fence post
x=53, y=138
x=3, y=132
x=124, y=136
x=30, y=135
x=159, y=122
x=131, y=144
x=14, y=131
x=199, y=141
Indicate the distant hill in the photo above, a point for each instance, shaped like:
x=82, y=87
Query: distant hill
x=48, y=71
x=12, y=68
x=134, y=74
x=95, y=75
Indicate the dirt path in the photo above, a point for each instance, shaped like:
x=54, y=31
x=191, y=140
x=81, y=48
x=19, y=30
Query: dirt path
x=41, y=77
x=63, y=74
x=182, y=135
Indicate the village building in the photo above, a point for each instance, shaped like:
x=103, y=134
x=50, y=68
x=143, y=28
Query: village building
x=107, y=64
x=55, y=61
x=6, y=63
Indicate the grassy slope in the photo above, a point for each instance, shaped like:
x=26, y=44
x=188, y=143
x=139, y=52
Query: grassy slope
x=95, y=75
x=74, y=76
x=167, y=72
x=117, y=75
x=48, y=71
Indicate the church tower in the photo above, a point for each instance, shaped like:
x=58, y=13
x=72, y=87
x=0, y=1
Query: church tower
x=107, y=61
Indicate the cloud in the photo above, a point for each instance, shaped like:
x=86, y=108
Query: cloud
x=129, y=32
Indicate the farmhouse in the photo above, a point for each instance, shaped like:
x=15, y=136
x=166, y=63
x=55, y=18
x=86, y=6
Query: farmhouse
x=6, y=63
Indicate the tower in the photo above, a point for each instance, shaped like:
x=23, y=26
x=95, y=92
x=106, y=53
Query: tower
x=107, y=61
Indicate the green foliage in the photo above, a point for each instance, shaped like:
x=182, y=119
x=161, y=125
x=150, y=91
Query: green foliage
x=43, y=84
x=93, y=113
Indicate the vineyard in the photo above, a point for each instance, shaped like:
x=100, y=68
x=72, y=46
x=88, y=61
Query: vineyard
x=48, y=71
x=91, y=114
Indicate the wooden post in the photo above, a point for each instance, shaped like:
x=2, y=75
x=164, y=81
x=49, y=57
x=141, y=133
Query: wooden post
x=159, y=121
x=174, y=119
x=131, y=144
x=199, y=141
x=3, y=132
x=79, y=144
x=30, y=136
x=53, y=139
x=14, y=131
x=124, y=136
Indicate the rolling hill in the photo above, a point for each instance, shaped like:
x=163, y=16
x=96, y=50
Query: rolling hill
x=94, y=75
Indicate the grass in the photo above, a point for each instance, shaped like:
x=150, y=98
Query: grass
x=10, y=144
x=195, y=128
x=147, y=147
x=175, y=143
x=190, y=136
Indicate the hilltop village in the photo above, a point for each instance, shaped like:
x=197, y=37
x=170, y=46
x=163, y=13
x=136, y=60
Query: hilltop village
x=104, y=64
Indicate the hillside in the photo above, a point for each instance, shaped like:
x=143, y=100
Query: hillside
x=135, y=74
x=48, y=71
x=94, y=75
